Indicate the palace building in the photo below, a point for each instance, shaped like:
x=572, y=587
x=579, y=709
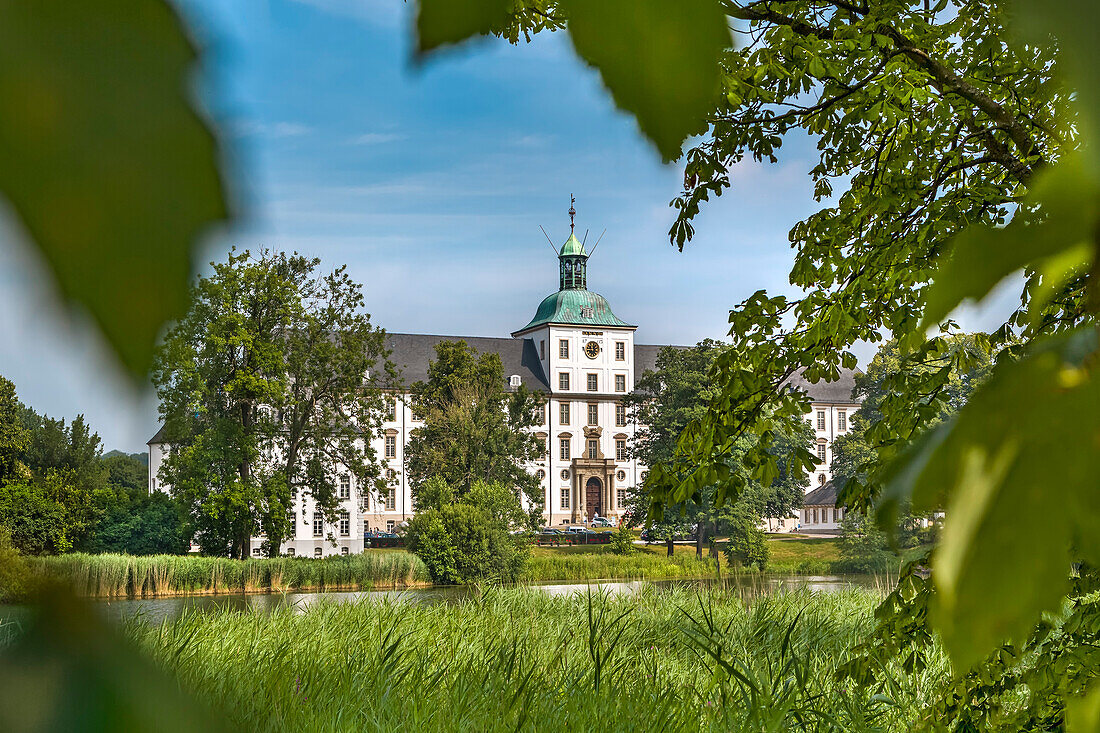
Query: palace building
x=584, y=359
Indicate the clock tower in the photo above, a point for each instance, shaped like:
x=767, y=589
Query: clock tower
x=587, y=355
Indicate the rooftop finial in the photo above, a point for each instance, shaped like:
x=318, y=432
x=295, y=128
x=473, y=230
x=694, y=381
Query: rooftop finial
x=572, y=212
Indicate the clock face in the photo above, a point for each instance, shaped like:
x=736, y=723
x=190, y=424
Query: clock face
x=592, y=349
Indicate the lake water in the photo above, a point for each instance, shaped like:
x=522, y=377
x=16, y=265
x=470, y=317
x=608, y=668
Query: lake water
x=155, y=610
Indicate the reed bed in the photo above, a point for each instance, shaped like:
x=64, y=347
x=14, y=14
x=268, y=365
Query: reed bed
x=608, y=566
x=516, y=659
x=120, y=576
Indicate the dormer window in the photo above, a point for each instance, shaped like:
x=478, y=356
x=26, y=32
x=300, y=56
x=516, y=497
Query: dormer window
x=514, y=380
x=587, y=313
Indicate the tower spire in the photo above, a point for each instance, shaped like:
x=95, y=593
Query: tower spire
x=572, y=212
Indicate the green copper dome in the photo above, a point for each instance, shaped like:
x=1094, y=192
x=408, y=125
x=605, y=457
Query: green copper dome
x=575, y=307
x=572, y=246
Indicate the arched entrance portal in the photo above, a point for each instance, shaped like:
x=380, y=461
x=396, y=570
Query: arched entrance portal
x=592, y=491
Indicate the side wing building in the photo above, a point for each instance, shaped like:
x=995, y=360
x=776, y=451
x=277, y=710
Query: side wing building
x=584, y=358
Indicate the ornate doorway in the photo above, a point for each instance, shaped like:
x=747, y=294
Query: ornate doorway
x=592, y=491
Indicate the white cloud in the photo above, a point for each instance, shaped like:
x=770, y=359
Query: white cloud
x=252, y=128
x=377, y=138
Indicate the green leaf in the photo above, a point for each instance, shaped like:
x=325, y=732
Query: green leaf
x=659, y=60
x=1074, y=24
x=1024, y=446
x=106, y=162
x=447, y=22
x=981, y=257
x=70, y=671
x=1083, y=713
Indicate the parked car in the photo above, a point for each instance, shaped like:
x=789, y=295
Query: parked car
x=602, y=522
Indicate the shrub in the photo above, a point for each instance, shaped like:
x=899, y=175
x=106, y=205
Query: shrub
x=747, y=545
x=622, y=541
x=864, y=548
x=461, y=543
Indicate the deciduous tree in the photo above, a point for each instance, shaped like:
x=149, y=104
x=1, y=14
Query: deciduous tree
x=474, y=430
x=269, y=387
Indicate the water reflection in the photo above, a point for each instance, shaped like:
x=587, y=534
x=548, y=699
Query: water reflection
x=155, y=610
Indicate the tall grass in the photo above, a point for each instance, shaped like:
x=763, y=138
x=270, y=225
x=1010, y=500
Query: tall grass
x=518, y=659
x=115, y=576
x=608, y=566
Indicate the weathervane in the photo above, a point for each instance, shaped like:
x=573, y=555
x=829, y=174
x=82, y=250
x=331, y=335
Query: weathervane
x=572, y=212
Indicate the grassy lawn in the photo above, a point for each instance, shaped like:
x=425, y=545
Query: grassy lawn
x=800, y=554
x=788, y=554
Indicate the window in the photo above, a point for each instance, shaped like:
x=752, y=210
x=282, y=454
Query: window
x=815, y=516
x=620, y=450
x=563, y=380
x=391, y=446
x=540, y=474
x=620, y=415
x=542, y=350
x=563, y=413
x=820, y=419
x=345, y=487
x=565, y=474
x=515, y=380
x=643, y=476
x=563, y=444
x=620, y=382
x=821, y=451
x=620, y=476
x=318, y=524
x=343, y=550
x=620, y=498
x=820, y=479
x=593, y=414
x=345, y=525
x=391, y=409
x=366, y=527
x=391, y=500
x=565, y=498
x=620, y=351
x=563, y=349
x=391, y=475
x=389, y=525
x=290, y=551
x=593, y=383
x=256, y=551
x=841, y=420
x=316, y=551
x=540, y=414
x=593, y=449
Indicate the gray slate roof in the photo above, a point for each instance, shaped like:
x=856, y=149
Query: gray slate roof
x=158, y=438
x=645, y=359
x=824, y=495
x=412, y=352
x=836, y=391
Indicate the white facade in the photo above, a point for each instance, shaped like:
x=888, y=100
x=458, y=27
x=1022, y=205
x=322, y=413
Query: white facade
x=584, y=360
x=829, y=421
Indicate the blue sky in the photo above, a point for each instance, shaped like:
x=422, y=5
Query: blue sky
x=430, y=182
